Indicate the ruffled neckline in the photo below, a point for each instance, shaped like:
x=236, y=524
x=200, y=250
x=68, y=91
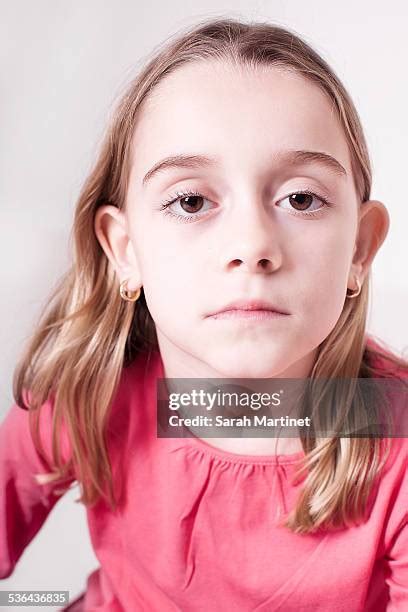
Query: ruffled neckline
x=231, y=457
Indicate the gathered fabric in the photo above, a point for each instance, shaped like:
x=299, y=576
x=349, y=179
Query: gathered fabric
x=199, y=528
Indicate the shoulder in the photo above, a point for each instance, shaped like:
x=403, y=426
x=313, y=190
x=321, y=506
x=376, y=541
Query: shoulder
x=138, y=379
x=385, y=359
x=20, y=455
x=133, y=405
x=18, y=426
x=390, y=373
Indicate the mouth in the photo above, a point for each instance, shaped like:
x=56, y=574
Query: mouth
x=256, y=310
x=255, y=315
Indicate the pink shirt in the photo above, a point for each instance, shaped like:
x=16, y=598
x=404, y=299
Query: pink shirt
x=197, y=528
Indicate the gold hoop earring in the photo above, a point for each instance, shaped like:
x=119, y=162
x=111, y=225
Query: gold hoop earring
x=357, y=292
x=129, y=296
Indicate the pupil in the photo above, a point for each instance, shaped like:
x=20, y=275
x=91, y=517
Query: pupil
x=304, y=200
x=188, y=201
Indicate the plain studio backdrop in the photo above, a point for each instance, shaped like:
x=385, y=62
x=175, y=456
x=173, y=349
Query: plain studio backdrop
x=63, y=65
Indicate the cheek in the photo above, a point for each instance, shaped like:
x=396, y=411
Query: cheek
x=323, y=274
x=171, y=282
x=327, y=252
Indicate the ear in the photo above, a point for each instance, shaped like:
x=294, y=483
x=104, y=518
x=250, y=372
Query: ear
x=111, y=229
x=372, y=230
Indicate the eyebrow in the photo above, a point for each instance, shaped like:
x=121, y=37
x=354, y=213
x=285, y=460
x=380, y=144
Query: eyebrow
x=290, y=157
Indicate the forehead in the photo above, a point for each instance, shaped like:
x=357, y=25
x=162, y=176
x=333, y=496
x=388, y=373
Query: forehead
x=239, y=114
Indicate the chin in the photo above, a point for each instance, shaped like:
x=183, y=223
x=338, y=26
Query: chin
x=248, y=368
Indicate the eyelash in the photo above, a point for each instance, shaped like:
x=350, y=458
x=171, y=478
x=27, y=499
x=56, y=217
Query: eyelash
x=190, y=193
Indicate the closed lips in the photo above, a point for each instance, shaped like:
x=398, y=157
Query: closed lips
x=249, y=305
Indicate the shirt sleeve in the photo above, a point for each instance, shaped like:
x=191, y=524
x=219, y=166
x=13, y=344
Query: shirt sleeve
x=24, y=503
x=396, y=555
x=397, y=570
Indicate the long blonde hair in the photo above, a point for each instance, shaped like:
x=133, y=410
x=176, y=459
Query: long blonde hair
x=87, y=334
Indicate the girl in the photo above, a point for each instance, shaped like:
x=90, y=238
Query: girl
x=233, y=181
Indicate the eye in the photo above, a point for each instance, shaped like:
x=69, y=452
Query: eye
x=188, y=202
x=300, y=202
x=191, y=204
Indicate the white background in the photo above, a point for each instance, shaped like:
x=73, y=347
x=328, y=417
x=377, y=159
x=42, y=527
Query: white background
x=63, y=65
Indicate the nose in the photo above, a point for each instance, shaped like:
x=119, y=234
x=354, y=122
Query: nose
x=252, y=244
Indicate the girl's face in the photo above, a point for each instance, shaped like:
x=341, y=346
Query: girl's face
x=245, y=235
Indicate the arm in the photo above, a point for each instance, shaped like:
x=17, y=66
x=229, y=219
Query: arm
x=396, y=575
x=24, y=504
x=396, y=553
